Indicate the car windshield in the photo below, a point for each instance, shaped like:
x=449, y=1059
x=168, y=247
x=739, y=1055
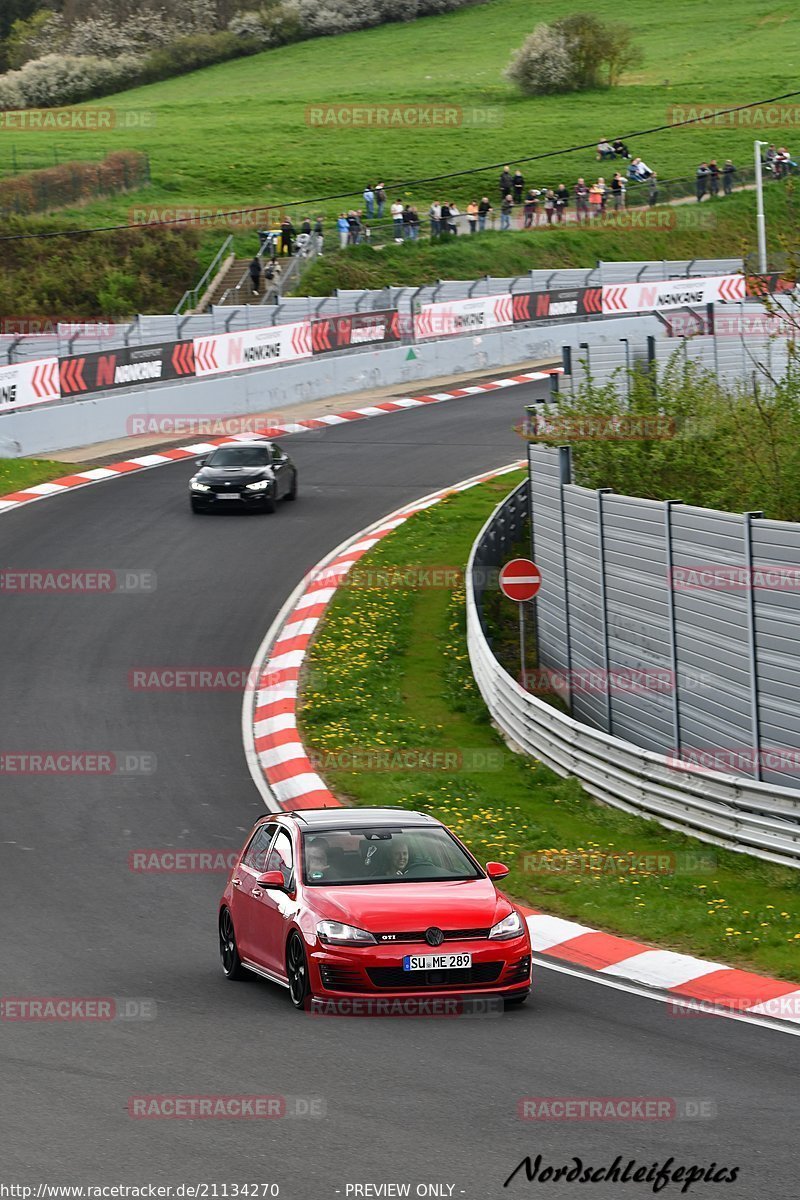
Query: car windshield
x=239, y=456
x=402, y=854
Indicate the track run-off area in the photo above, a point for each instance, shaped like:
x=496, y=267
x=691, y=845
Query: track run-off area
x=405, y=1101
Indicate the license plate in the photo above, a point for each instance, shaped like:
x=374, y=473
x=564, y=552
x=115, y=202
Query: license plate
x=228, y=496
x=436, y=962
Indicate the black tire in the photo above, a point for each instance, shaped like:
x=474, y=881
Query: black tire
x=231, y=963
x=195, y=507
x=297, y=970
x=292, y=493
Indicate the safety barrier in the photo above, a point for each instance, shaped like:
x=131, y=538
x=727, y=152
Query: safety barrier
x=742, y=815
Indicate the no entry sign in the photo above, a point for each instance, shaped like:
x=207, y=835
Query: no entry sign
x=520, y=579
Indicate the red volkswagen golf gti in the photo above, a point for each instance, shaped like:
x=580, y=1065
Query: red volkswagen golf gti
x=336, y=902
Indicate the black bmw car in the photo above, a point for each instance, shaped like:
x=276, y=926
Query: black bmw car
x=243, y=475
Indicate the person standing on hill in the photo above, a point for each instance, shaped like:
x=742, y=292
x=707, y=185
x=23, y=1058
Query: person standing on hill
x=517, y=185
x=287, y=234
x=380, y=198
x=701, y=181
x=484, y=209
x=505, y=183
x=581, y=201
x=713, y=178
x=562, y=202
x=506, y=209
x=343, y=226
x=435, y=214
x=369, y=201
x=728, y=172
x=255, y=274
x=397, y=220
x=472, y=216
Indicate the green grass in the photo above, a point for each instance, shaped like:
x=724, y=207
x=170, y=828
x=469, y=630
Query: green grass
x=16, y=474
x=389, y=668
x=236, y=134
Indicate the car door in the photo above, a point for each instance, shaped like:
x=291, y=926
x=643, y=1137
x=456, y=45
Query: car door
x=279, y=461
x=245, y=907
x=276, y=907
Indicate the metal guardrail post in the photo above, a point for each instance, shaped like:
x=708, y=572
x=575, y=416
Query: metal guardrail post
x=752, y=651
x=673, y=635
x=601, y=547
x=564, y=478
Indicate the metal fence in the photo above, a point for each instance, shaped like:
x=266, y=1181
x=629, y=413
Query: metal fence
x=142, y=330
x=673, y=627
x=759, y=818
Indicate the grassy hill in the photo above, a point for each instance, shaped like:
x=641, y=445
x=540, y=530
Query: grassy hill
x=236, y=135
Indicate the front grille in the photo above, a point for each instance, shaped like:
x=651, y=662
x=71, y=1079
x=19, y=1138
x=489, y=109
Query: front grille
x=398, y=980
x=341, y=979
x=450, y=935
x=230, y=489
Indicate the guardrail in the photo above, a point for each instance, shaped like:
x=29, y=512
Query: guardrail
x=726, y=810
x=189, y=298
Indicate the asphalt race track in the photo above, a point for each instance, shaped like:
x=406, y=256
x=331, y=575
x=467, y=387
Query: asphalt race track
x=407, y=1101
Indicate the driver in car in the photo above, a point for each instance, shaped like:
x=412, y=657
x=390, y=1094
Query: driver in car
x=317, y=860
x=397, y=863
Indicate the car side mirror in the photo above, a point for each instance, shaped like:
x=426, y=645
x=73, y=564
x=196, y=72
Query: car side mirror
x=496, y=870
x=270, y=879
x=202, y=460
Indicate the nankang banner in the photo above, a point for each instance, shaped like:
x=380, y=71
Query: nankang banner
x=26, y=383
x=453, y=317
x=252, y=348
x=128, y=367
x=672, y=293
x=355, y=329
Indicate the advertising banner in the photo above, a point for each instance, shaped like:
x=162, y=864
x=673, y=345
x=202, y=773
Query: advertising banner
x=26, y=383
x=124, y=367
x=672, y=293
x=355, y=329
x=252, y=348
x=453, y=317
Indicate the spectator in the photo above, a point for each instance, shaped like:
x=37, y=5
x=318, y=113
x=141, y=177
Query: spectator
x=306, y=226
x=518, y=183
x=601, y=183
x=595, y=199
x=397, y=220
x=287, y=233
x=505, y=183
x=446, y=219
x=620, y=149
x=343, y=226
x=728, y=172
x=639, y=169
x=413, y=221
x=255, y=274
x=435, y=214
x=472, y=216
x=484, y=209
x=530, y=207
x=713, y=177
x=549, y=205
x=356, y=228
x=407, y=221
x=784, y=164
x=701, y=181
x=454, y=215
x=380, y=197
x=506, y=209
x=581, y=201
x=318, y=236
x=770, y=156
x=562, y=201
x=618, y=191
x=605, y=149
x=652, y=190
x=369, y=201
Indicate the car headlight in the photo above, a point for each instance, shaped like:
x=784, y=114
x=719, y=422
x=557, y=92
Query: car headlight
x=197, y=486
x=509, y=927
x=336, y=934
x=260, y=485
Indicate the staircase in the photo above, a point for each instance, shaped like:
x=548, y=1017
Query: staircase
x=236, y=274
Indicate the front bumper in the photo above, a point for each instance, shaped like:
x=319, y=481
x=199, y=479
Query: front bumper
x=243, y=499
x=498, y=968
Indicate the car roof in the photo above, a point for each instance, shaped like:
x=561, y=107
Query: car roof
x=356, y=818
x=254, y=441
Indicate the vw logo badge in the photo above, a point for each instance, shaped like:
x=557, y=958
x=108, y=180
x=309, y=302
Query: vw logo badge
x=434, y=936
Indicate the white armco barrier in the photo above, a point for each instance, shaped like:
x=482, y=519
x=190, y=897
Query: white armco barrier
x=731, y=811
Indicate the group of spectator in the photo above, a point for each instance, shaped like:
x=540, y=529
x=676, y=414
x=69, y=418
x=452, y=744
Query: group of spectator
x=779, y=162
x=708, y=176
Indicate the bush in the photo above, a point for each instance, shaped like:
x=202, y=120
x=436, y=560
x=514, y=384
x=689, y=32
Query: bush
x=58, y=79
x=40, y=34
x=572, y=54
x=270, y=25
x=72, y=183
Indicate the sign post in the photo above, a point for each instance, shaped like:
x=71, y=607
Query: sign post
x=520, y=580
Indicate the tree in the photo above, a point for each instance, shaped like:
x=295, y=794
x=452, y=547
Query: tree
x=575, y=53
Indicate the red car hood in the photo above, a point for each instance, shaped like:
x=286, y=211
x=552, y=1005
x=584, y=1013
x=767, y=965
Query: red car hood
x=408, y=907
